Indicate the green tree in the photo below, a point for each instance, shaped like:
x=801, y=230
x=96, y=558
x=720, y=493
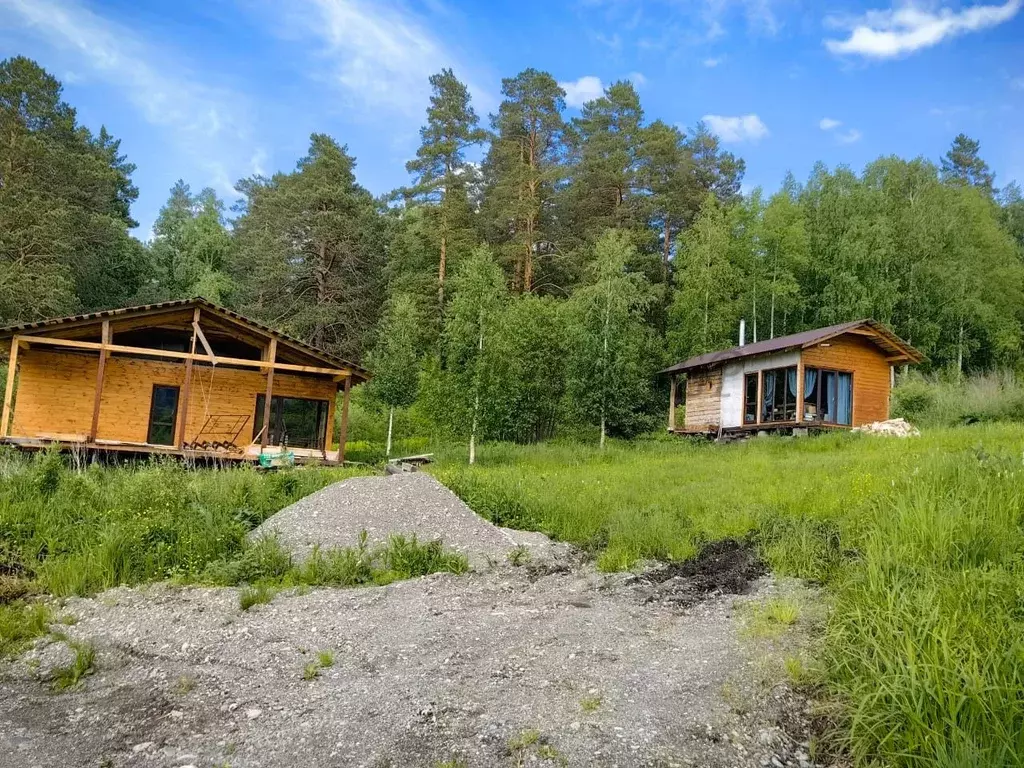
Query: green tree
x=395, y=359
x=962, y=165
x=705, y=308
x=441, y=169
x=522, y=170
x=666, y=172
x=609, y=361
x=470, y=325
x=712, y=170
x=64, y=204
x=309, y=253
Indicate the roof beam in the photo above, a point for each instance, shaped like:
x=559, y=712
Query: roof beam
x=147, y=352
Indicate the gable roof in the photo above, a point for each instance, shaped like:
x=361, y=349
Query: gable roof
x=226, y=315
x=886, y=340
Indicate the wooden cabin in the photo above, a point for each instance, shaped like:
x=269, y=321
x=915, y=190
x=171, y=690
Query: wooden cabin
x=835, y=377
x=181, y=377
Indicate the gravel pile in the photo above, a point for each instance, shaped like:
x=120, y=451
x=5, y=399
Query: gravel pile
x=413, y=503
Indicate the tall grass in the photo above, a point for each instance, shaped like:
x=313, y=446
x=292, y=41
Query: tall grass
x=944, y=400
x=77, y=532
x=919, y=543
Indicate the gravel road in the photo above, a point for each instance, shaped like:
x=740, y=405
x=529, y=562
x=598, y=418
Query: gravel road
x=413, y=503
x=502, y=668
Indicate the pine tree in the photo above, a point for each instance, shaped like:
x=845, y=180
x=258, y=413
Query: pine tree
x=309, y=251
x=440, y=168
x=962, y=165
x=665, y=170
x=522, y=169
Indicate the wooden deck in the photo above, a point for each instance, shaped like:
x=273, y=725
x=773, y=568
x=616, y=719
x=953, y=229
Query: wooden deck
x=776, y=427
x=108, y=447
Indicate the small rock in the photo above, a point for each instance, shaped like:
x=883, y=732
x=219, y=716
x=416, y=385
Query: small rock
x=144, y=746
x=252, y=714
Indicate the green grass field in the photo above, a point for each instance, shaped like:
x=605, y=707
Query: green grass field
x=919, y=544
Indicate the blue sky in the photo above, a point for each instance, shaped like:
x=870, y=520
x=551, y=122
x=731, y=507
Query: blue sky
x=215, y=90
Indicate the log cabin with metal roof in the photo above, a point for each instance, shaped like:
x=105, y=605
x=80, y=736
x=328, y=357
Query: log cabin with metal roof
x=186, y=378
x=828, y=378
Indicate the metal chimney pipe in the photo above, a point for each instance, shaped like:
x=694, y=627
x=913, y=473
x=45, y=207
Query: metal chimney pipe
x=743, y=331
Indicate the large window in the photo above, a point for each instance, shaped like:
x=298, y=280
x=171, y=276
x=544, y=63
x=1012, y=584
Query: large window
x=750, y=398
x=163, y=413
x=294, y=422
x=778, y=394
x=828, y=396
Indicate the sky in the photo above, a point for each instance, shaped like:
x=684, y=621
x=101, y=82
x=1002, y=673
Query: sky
x=212, y=91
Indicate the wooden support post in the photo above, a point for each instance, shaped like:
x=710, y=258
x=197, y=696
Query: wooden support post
x=100, y=368
x=186, y=390
x=268, y=396
x=343, y=432
x=760, y=401
x=672, y=404
x=329, y=431
x=12, y=368
x=800, y=390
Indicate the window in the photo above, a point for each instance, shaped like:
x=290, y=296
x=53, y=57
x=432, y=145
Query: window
x=778, y=394
x=750, y=398
x=294, y=421
x=828, y=396
x=163, y=413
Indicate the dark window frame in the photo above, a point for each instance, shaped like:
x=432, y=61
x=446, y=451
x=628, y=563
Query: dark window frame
x=788, y=410
x=323, y=413
x=747, y=403
x=174, y=416
x=819, y=389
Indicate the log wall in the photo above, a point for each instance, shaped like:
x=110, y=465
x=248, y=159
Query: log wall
x=703, y=399
x=870, y=373
x=56, y=391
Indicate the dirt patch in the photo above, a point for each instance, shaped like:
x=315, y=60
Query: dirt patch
x=722, y=567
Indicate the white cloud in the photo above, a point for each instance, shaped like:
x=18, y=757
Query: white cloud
x=851, y=136
x=712, y=62
x=205, y=123
x=912, y=27
x=579, y=92
x=828, y=124
x=638, y=79
x=737, y=129
x=381, y=53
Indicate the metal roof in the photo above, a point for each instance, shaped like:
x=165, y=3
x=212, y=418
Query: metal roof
x=357, y=371
x=885, y=339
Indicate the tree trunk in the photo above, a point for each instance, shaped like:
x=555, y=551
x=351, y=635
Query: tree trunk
x=391, y=423
x=442, y=267
x=666, y=253
x=960, y=352
x=476, y=398
x=602, y=429
x=604, y=368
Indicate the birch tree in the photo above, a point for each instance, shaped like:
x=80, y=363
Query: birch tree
x=395, y=359
x=470, y=324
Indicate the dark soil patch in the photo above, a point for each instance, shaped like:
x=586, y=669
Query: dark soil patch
x=722, y=567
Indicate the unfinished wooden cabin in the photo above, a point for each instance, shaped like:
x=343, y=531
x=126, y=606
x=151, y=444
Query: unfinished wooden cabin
x=181, y=377
x=829, y=378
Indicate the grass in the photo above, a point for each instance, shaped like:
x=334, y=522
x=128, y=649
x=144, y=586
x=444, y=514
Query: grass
x=590, y=704
x=260, y=594
x=73, y=674
x=919, y=544
x=71, y=532
x=20, y=624
x=943, y=400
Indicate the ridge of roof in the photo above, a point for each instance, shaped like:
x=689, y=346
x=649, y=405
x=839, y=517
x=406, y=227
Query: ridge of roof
x=791, y=341
x=358, y=370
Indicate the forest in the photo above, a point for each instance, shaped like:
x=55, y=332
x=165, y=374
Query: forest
x=538, y=269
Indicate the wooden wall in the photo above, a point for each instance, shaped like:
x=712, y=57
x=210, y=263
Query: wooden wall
x=855, y=353
x=703, y=399
x=56, y=391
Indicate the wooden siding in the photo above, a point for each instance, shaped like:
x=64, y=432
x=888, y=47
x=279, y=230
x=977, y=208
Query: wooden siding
x=870, y=369
x=703, y=399
x=56, y=391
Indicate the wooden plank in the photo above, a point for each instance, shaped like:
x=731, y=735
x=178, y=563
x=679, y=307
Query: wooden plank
x=100, y=368
x=198, y=332
x=268, y=395
x=12, y=368
x=92, y=345
x=332, y=404
x=760, y=398
x=343, y=432
x=800, y=389
x=186, y=389
x=672, y=403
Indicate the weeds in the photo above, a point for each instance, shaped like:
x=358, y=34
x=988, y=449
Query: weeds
x=20, y=624
x=590, y=704
x=73, y=674
x=326, y=658
x=257, y=595
x=311, y=671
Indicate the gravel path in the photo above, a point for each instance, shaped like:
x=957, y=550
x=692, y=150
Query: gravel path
x=502, y=668
x=413, y=503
